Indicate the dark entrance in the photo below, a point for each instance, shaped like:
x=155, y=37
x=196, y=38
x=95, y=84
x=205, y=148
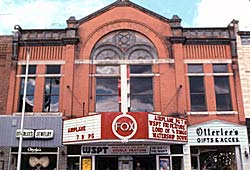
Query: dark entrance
x=106, y=163
x=146, y=162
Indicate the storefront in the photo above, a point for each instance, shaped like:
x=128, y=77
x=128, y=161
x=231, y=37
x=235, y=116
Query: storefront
x=218, y=145
x=41, y=141
x=115, y=141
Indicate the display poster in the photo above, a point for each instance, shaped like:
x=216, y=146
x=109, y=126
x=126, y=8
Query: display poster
x=164, y=164
x=86, y=164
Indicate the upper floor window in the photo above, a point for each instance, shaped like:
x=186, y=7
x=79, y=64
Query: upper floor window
x=137, y=86
x=124, y=78
x=222, y=87
x=197, y=88
x=107, y=78
x=31, y=81
x=52, y=89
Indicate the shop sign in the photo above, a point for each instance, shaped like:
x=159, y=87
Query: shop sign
x=44, y=134
x=82, y=129
x=167, y=128
x=129, y=150
x=115, y=150
x=124, y=126
x=37, y=134
x=217, y=133
x=30, y=149
x=27, y=133
x=164, y=149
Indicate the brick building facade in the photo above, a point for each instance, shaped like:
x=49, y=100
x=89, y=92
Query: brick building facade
x=6, y=44
x=133, y=88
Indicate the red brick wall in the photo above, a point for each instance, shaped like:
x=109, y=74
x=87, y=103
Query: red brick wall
x=5, y=67
x=77, y=85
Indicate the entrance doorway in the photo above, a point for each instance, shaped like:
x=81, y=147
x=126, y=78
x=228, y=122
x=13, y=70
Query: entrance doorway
x=111, y=162
x=106, y=163
x=145, y=162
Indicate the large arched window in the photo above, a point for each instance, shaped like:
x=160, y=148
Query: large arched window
x=124, y=75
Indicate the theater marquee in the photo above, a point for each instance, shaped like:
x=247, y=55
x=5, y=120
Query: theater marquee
x=109, y=126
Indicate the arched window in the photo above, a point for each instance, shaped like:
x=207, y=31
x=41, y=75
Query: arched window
x=123, y=75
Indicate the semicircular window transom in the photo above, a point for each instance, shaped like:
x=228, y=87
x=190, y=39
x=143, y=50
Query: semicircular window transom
x=124, y=45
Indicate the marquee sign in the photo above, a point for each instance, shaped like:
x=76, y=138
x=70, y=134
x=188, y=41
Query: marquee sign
x=130, y=126
x=124, y=126
x=82, y=129
x=167, y=128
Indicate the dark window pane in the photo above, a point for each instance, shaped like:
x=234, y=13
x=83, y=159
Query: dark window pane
x=195, y=68
x=196, y=84
x=222, y=92
x=106, y=86
x=140, y=69
x=221, y=85
x=141, y=85
x=107, y=104
x=223, y=102
x=198, y=102
x=177, y=162
x=107, y=70
x=141, y=103
x=32, y=69
x=53, y=69
x=220, y=68
x=176, y=149
x=197, y=94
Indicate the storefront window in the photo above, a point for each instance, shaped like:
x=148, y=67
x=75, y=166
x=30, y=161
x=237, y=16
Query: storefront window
x=73, y=163
x=213, y=158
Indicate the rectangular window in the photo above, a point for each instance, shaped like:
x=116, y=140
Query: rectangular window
x=32, y=69
x=107, y=95
x=29, y=100
x=222, y=88
x=52, y=89
x=51, y=96
x=53, y=69
x=141, y=88
x=197, y=88
x=133, y=86
x=141, y=96
x=107, y=80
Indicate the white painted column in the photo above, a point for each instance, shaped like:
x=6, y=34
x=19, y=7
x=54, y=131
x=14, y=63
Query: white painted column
x=187, y=157
x=124, y=89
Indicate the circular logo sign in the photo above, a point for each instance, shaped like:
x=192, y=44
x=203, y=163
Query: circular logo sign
x=124, y=126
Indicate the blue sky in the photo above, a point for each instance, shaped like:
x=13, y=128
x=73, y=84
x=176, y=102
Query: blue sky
x=42, y=14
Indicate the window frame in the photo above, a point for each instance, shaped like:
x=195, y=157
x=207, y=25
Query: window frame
x=223, y=74
x=31, y=76
x=52, y=76
x=197, y=74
